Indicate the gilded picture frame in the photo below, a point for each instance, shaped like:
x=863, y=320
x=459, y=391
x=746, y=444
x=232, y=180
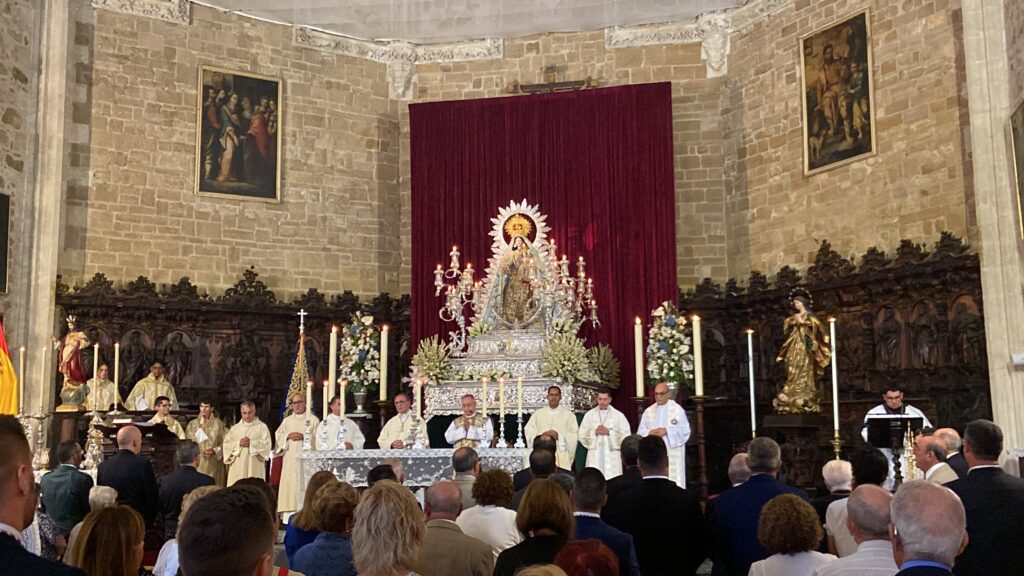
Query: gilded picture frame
x=837, y=94
x=238, y=135
x=1016, y=133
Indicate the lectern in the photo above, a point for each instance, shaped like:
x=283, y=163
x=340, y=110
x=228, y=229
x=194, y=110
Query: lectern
x=888, y=431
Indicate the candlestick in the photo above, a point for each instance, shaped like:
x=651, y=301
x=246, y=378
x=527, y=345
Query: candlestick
x=95, y=373
x=455, y=258
x=835, y=379
x=698, y=368
x=341, y=396
x=438, y=279
x=326, y=400
x=750, y=375
x=483, y=396
x=309, y=398
x=21, y=380
x=638, y=348
x=332, y=363
x=384, y=331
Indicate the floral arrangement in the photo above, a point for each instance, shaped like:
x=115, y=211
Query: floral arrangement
x=479, y=328
x=359, y=353
x=432, y=360
x=605, y=366
x=566, y=327
x=565, y=357
x=669, y=358
x=493, y=376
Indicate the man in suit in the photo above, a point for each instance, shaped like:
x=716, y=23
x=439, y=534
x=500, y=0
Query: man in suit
x=631, y=476
x=739, y=508
x=994, y=502
x=17, y=506
x=446, y=550
x=954, y=458
x=522, y=479
x=131, y=475
x=177, y=484
x=65, y=491
x=930, y=455
x=466, y=464
x=738, y=473
x=928, y=529
x=589, y=495
x=665, y=520
x=542, y=465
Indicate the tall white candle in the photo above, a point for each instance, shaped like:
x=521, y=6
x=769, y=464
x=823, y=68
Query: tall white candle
x=95, y=372
x=698, y=368
x=501, y=397
x=483, y=396
x=384, y=363
x=341, y=396
x=835, y=378
x=419, y=397
x=519, y=399
x=21, y=380
x=326, y=400
x=750, y=376
x=332, y=362
x=309, y=398
x=117, y=372
x=638, y=351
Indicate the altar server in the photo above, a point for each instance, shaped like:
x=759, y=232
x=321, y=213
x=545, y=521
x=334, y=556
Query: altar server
x=143, y=395
x=668, y=420
x=353, y=437
x=601, y=433
x=163, y=416
x=208, y=432
x=247, y=446
x=396, y=431
x=557, y=422
x=471, y=429
x=102, y=392
x=289, y=438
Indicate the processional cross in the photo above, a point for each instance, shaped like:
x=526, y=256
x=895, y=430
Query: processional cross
x=302, y=320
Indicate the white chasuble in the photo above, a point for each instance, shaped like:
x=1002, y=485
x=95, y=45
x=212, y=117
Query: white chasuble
x=353, y=435
x=399, y=427
x=562, y=421
x=672, y=418
x=480, y=430
x=603, y=450
x=291, y=466
x=247, y=462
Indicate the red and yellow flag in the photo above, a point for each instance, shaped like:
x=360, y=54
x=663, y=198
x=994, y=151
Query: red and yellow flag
x=8, y=379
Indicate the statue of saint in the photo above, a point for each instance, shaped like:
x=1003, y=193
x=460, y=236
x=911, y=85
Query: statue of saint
x=517, y=271
x=73, y=393
x=806, y=353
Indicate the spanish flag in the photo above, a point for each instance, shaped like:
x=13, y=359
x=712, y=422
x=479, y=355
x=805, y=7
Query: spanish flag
x=8, y=379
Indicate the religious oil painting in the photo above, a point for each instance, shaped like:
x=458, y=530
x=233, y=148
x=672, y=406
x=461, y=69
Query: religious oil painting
x=838, y=105
x=1017, y=152
x=238, y=129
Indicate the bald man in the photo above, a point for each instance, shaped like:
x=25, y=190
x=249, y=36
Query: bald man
x=868, y=522
x=667, y=420
x=956, y=461
x=131, y=475
x=446, y=549
x=928, y=529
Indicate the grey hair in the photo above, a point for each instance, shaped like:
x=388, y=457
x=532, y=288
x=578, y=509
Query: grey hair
x=930, y=521
x=952, y=441
x=871, y=516
x=739, y=470
x=102, y=497
x=764, y=455
x=187, y=452
x=838, y=475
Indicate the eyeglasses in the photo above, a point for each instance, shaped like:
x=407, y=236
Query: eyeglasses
x=661, y=393
x=294, y=402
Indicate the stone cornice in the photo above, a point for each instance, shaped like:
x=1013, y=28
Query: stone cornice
x=168, y=10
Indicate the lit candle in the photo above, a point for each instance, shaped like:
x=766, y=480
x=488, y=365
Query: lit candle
x=698, y=369
x=341, y=396
x=638, y=347
x=501, y=397
x=455, y=258
x=419, y=397
x=483, y=396
x=326, y=400
x=835, y=377
x=309, y=397
x=384, y=363
x=750, y=376
x=95, y=373
x=438, y=282
x=21, y=380
x=117, y=369
x=519, y=398
x=332, y=363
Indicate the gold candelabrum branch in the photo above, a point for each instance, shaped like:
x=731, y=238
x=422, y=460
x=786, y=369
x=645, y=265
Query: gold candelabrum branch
x=908, y=450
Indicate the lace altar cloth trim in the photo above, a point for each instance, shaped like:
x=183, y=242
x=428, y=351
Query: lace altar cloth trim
x=444, y=399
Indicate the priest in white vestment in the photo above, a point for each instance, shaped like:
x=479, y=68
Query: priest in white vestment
x=471, y=429
x=143, y=395
x=102, y=392
x=247, y=446
x=396, y=432
x=557, y=422
x=892, y=406
x=601, y=433
x=352, y=435
x=163, y=416
x=668, y=420
x=289, y=438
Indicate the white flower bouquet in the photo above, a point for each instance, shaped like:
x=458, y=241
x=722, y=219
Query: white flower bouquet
x=669, y=358
x=359, y=353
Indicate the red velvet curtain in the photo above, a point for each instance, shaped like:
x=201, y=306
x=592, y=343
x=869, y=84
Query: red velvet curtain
x=598, y=162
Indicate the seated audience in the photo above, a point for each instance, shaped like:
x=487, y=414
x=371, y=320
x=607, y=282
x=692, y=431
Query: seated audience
x=523, y=477
x=302, y=526
x=490, y=520
x=545, y=521
x=65, y=491
x=930, y=454
x=167, y=561
x=331, y=553
x=631, y=476
x=542, y=465
x=588, y=498
x=789, y=532
x=210, y=541
x=587, y=558
x=387, y=538
x=928, y=530
x=174, y=486
x=870, y=466
x=466, y=464
x=868, y=522
x=99, y=497
x=110, y=543
x=446, y=549
x=381, y=472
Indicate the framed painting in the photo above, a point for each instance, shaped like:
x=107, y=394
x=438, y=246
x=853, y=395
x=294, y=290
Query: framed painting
x=1017, y=159
x=238, y=135
x=837, y=94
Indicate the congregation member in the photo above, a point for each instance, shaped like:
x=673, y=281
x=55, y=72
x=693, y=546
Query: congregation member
x=247, y=446
x=587, y=558
x=210, y=542
x=738, y=472
x=994, y=505
x=869, y=468
x=102, y=394
x=174, y=486
x=330, y=554
x=167, y=562
x=65, y=490
x=542, y=466
x=289, y=438
x=667, y=420
x=838, y=476
x=163, y=416
x=739, y=508
x=131, y=475
x=589, y=496
x=111, y=543
x=387, y=538
x=523, y=477
x=145, y=392
x=466, y=464
x=303, y=526
x=665, y=521
x=41, y=537
x=930, y=457
x=491, y=521
x=868, y=522
x=631, y=475
x=601, y=432
x=558, y=423
x=447, y=551
x=928, y=530
x=397, y=430
x=341, y=428
x=892, y=405
x=954, y=457
x=382, y=472
x=789, y=532
x=99, y=497
x=208, y=431
x=545, y=520
x=469, y=429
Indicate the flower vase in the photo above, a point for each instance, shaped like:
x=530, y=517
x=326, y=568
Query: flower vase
x=673, y=391
x=360, y=398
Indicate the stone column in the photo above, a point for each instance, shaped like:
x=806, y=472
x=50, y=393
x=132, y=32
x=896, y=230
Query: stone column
x=1001, y=268
x=47, y=208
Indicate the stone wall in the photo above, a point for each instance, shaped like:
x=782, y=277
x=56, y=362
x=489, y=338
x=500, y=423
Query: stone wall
x=1014, y=10
x=131, y=209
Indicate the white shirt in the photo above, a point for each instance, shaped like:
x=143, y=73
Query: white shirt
x=872, y=558
x=16, y=534
x=495, y=525
x=931, y=471
x=800, y=564
x=835, y=526
x=167, y=560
